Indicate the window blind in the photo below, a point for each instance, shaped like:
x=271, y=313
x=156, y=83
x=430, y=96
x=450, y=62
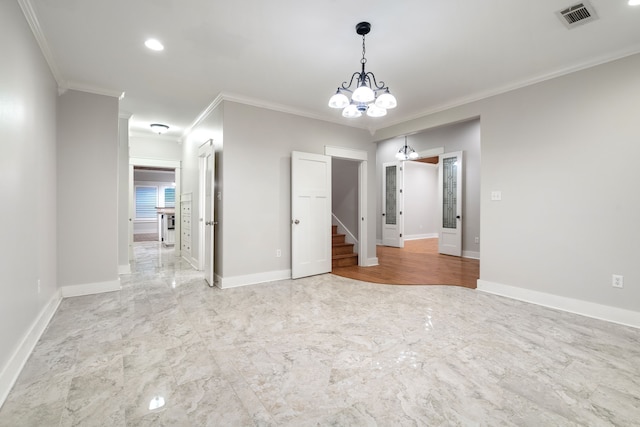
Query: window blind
x=146, y=201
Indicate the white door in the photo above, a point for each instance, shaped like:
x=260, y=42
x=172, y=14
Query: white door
x=392, y=219
x=132, y=211
x=450, y=200
x=310, y=214
x=207, y=176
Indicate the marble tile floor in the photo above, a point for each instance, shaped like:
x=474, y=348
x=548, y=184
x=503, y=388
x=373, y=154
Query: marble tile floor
x=167, y=350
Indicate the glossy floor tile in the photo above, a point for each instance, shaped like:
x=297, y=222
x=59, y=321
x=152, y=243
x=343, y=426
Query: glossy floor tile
x=168, y=350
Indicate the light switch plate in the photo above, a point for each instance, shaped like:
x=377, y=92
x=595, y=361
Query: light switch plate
x=496, y=195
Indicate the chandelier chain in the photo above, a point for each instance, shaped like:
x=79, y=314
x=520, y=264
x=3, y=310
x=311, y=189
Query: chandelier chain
x=364, y=50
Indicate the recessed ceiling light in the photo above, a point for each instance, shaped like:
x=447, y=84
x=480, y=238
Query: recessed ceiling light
x=634, y=2
x=154, y=44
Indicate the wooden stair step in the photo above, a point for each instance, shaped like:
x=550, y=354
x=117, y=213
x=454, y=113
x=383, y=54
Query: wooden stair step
x=341, y=252
x=337, y=238
x=344, y=260
x=342, y=248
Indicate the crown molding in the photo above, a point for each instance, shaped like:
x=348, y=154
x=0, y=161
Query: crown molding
x=518, y=85
x=95, y=90
x=32, y=19
x=254, y=102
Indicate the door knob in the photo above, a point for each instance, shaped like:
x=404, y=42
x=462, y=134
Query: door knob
x=296, y=222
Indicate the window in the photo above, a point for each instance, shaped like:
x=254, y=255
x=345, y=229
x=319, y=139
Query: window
x=146, y=202
x=169, y=197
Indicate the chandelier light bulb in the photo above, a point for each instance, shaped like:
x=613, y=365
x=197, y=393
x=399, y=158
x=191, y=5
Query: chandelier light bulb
x=375, y=111
x=386, y=101
x=351, y=112
x=339, y=100
x=363, y=94
x=413, y=155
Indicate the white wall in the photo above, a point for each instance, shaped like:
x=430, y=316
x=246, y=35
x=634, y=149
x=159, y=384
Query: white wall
x=421, y=208
x=344, y=193
x=564, y=154
x=257, y=207
x=254, y=214
x=123, y=195
x=28, y=95
x=462, y=136
x=154, y=147
x=87, y=147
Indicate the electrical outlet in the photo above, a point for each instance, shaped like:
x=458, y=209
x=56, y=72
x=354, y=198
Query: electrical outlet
x=617, y=281
x=477, y=240
x=278, y=253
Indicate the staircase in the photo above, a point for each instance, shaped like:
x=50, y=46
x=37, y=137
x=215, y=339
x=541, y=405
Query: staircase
x=341, y=253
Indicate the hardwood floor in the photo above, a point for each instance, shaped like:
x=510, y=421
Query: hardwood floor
x=418, y=263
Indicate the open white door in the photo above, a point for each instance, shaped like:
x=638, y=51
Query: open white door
x=310, y=214
x=392, y=222
x=450, y=198
x=207, y=223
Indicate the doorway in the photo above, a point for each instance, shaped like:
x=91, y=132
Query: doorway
x=143, y=163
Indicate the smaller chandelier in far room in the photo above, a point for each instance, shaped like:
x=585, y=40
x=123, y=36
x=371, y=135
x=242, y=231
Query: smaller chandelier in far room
x=368, y=96
x=406, y=152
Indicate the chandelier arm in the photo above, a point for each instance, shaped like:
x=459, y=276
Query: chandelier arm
x=374, y=84
x=355, y=76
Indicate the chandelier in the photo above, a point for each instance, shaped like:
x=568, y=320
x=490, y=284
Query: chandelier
x=368, y=96
x=406, y=152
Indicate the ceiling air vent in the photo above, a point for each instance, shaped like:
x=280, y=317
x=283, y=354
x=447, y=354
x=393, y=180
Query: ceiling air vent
x=578, y=14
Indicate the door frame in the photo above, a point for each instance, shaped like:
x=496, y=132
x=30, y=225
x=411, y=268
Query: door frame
x=174, y=164
x=361, y=157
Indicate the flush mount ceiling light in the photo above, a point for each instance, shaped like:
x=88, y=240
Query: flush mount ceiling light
x=368, y=96
x=159, y=128
x=634, y=2
x=406, y=152
x=154, y=44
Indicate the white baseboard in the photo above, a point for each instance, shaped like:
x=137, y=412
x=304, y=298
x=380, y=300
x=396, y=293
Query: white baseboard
x=192, y=261
x=252, y=279
x=571, y=305
x=12, y=369
x=372, y=262
x=421, y=236
x=90, y=288
x=124, y=269
x=471, y=254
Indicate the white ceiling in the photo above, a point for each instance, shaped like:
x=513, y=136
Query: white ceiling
x=292, y=55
